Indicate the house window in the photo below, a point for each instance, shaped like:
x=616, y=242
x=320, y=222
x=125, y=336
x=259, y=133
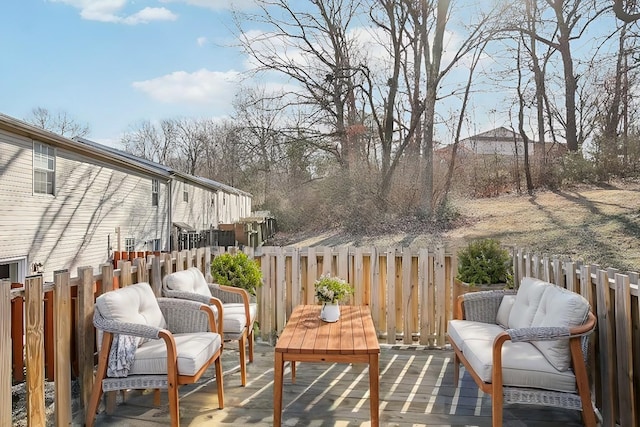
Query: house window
x=129, y=244
x=156, y=244
x=185, y=196
x=155, y=186
x=44, y=168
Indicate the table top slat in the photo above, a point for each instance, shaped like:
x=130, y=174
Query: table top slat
x=359, y=337
x=306, y=333
x=309, y=325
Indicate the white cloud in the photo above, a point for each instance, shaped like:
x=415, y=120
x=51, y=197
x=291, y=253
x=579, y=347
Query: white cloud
x=201, y=41
x=200, y=87
x=217, y=4
x=111, y=11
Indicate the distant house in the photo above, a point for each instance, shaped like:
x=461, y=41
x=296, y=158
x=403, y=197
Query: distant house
x=500, y=141
x=67, y=203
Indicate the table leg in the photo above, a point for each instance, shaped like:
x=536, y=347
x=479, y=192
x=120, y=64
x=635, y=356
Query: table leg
x=277, y=390
x=374, y=390
x=293, y=371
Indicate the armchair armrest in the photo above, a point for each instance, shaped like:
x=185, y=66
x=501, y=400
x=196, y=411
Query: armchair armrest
x=184, y=316
x=191, y=296
x=125, y=328
x=481, y=306
x=230, y=294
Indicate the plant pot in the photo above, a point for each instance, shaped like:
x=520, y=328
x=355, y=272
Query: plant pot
x=330, y=312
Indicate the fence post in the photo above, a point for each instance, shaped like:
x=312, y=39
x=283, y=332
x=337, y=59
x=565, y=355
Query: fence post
x=86, y=332
x=624, y=351
x=5, y=353
x=62, y=347
x=606, y=353
x=34, y=331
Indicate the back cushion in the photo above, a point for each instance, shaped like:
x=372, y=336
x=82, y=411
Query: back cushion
x=526, y=304
x=132, y=304
x=504, y=310
x=559, y=307
x=189, y=280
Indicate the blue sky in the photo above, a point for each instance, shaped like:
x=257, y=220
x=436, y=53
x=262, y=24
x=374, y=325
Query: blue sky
x=113, y=63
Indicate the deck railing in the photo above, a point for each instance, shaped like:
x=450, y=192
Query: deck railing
x=409, y=292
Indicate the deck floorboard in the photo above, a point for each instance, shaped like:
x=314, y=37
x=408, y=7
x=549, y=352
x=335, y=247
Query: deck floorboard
x=416, y=389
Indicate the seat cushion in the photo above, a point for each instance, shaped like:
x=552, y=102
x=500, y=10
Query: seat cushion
x=461, y=331
x=559, y=307
x=194, y=350
x=235, y=319
x=132, y=304
x=526, y=304
x=189, y=280
x=523, y=364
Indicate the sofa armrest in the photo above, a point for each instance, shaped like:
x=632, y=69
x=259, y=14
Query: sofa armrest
x=481, y=306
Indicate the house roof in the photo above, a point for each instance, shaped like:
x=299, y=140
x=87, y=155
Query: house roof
x=498, y=134
x=166, y=170
x=19, y=127
x=107, y=154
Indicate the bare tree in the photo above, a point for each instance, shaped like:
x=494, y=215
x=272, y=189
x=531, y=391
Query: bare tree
x=153, y=142
x=626, y=11
x=567, y=22
x=312, y=46
x=58, y=122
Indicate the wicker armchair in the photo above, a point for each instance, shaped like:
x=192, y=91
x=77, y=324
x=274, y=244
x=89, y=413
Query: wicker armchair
x=527, y=348
x=239, y=312
x=138, y=330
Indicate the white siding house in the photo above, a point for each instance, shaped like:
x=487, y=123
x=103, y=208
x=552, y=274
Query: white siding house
x=500, y=141
x=68, y=203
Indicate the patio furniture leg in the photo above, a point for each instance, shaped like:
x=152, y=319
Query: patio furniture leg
x=582, y=383
x=243, y=359
x=218, y=364
x=456, y=369
x=277, y=389
x=174, y=411
x=293, y=371
x=251, y=345
x=374, y=389
x=156, y=397
x=96, y=393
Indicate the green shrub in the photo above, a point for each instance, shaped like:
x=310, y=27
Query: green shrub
x=237, y=270
x=484, y=261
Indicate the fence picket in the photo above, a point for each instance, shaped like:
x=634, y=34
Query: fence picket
x=408, y=291
x=5, y=353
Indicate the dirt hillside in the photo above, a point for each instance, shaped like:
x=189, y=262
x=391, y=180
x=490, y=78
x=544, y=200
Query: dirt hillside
x=595, y=225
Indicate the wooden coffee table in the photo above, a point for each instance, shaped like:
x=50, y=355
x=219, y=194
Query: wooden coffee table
x=306, y=338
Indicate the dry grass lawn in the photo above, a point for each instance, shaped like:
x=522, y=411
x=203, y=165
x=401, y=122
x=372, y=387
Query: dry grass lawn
x=594, y=225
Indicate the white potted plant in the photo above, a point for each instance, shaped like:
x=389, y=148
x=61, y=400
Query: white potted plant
x=330, y=291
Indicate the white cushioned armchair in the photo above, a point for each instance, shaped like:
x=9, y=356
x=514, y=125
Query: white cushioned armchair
x=150, y=343
x=527, y=347
x=238, y=312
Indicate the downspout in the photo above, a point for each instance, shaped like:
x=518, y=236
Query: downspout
x=169, y=211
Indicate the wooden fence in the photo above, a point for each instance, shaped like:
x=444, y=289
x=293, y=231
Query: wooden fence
x=409, y=292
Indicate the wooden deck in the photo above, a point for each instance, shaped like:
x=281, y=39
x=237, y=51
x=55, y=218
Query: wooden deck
x=415, y=390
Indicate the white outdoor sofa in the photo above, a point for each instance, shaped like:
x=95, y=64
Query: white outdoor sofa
x=527, y=347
